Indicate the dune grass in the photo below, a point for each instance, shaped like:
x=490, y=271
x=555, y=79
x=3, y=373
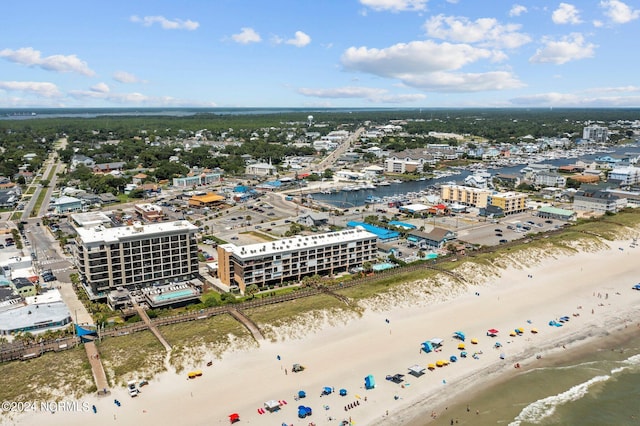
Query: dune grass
x=53, y=376
x=134, y=356
x=189, y=339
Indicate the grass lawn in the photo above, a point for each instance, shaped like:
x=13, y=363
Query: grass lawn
x=134, y=356
x=53, y=376
x=190, y=341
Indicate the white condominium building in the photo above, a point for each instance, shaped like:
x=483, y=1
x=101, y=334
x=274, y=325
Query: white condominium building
x=136, y=256
x=291, y=259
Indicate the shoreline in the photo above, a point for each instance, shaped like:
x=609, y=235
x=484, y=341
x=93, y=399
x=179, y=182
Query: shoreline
x=514, y=291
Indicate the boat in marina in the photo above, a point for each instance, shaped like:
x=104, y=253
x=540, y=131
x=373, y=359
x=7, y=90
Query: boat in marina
x=383, y=183
x=372, y=199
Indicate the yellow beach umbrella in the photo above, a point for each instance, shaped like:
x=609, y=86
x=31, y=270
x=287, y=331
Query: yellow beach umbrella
x=439, y=363
x=461, y=346
x=534, y=330
x=431, y=366
x=474, y=341
x=513, y=333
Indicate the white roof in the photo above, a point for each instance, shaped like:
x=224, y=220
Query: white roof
x=416, y=207
x=297, y=243
x=100, y=234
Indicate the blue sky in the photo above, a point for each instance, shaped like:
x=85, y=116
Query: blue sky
x=322, y=53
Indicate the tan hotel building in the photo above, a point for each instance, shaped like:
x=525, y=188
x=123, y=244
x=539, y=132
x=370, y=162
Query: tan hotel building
x=510, y=202
x=289, y=259
x=465, y=195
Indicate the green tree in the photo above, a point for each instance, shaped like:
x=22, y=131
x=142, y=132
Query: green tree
x=251, y=290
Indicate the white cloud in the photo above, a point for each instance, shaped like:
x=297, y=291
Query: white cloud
x=464, y=82
x=597, y=23
x=517, y=10
x=135, y=98
x=569, y=48
x=368, y=93
x=247, y=35
x=485, y=31
x=30, y=57
x=101, y=88
x=396, y=5
x=166, y=24
x=300, y=40
x=47, y=90
x=566, y=14
x=428, y=66
x=125, y=77
x=619, y=12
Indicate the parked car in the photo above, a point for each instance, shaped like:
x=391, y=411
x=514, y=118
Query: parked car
x=503, y=241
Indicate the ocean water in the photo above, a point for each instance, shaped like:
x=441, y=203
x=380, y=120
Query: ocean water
x=594, y=386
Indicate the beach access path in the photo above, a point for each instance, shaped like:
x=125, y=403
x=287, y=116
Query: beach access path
x=97, y=369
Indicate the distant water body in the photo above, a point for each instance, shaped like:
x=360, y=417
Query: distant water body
x=34, y=113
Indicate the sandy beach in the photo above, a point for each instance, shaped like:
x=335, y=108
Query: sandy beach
x=592, y=288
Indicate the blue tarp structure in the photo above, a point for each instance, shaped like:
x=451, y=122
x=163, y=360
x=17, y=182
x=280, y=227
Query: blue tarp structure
x=82, y=333
x=427, y=347
x=369, y=382
x=382, y=233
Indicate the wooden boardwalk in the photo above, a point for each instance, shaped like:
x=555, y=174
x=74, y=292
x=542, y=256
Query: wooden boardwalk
x=99, y=375
x=248, y=323
x=152, y=327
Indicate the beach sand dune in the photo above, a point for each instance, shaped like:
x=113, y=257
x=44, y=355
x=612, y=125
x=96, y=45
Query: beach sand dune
x=525, y=293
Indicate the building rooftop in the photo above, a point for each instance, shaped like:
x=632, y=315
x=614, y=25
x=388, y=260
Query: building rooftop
x=112, y=235
x=89, y=219
x=297, y=243
x=33, y=315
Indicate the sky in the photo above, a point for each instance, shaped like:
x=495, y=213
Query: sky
x=319, y=53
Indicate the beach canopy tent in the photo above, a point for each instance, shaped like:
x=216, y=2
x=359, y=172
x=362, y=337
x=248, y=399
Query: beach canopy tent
x=416, y=370
x=463, y=354
x=369, y=382
x=492, y=332
x=459, y=335
x=235, y=417
x=272, y=405
x=303, y=411
x=636, y=287
x=343, y=392
x=436, y=342
x=396, y=378
x=427, y=347
x=327, y=390
x=302, y=394
x=453, y=358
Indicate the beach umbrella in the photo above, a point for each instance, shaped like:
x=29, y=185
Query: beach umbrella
x=492, y=332
x=234, y=417
x=439, y=363
x=453, y=358
x=463, y=354
x=513, y=333
x=302, y=394
x=474, y=341
x=520, y=330
x=431, y=366
x=534, y=330
x=461, y=346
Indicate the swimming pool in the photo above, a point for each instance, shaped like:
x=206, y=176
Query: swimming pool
x=173, y=295
x=383, y=266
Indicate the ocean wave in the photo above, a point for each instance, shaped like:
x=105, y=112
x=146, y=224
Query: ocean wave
x=631, y=362
x=542, y=408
